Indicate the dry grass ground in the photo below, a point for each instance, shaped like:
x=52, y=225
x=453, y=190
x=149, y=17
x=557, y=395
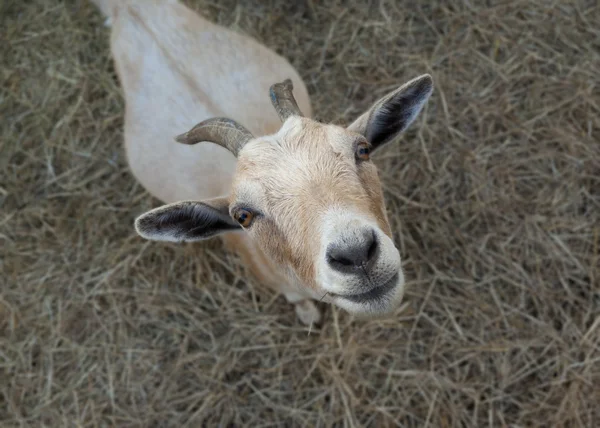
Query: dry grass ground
x=494, y=196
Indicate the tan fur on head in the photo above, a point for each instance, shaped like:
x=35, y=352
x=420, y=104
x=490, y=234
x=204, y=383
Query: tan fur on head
x=312, y=195
x=293, y=178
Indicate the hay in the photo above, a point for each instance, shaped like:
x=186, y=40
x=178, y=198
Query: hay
x=494, y=196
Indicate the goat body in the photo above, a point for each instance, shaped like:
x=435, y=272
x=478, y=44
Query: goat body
x=301, y=202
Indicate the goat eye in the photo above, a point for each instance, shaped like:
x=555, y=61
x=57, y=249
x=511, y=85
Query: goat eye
x=362, y=151
x=243, y=217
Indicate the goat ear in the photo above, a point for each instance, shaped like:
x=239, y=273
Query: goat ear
x=393, y=113
x=186, y=221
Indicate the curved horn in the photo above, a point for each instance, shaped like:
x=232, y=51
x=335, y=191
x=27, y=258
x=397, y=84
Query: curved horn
x=283, y=100
x=219, y=130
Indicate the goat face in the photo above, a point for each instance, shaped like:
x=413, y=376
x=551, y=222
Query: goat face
x=310, y=199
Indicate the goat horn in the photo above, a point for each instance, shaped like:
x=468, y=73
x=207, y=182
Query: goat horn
x=283, y=100
x=222, y=131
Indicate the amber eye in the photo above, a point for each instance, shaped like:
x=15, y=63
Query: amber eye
x=243, y=217
x=363, y=150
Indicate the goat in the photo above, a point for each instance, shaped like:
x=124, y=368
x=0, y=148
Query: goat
x=300, y=201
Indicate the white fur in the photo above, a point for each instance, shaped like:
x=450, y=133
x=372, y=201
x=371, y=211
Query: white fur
x=383, y=307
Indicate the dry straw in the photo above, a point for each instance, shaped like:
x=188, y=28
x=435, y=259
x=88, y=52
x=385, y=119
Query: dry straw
x=494, y=196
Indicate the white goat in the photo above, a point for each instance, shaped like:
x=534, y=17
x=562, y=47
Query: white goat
x=298, y=200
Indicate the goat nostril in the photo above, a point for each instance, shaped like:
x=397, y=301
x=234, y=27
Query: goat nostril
x=349, y=258
x=372, y=249
x=341, y=260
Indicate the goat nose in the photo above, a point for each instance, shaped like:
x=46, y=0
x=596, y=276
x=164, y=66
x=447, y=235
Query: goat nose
x=355, y=254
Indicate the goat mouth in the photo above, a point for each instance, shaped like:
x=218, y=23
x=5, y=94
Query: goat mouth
x=374, y=293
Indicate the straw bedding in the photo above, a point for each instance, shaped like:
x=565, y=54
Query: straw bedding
x=494, y=197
